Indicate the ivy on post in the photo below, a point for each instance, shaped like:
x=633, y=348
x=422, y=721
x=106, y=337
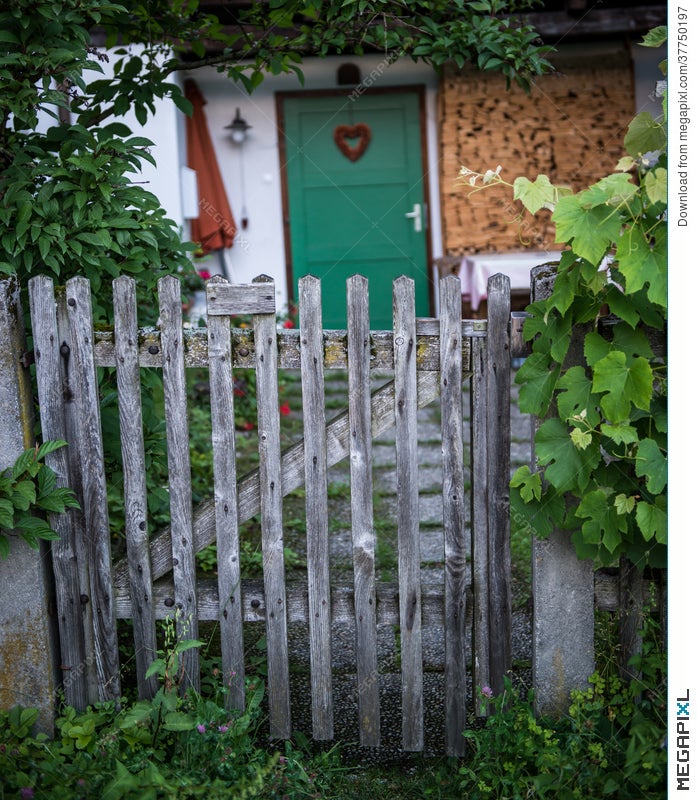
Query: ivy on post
x=596, y=376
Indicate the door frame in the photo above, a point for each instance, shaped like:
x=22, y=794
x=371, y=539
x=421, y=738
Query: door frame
x=420, y=91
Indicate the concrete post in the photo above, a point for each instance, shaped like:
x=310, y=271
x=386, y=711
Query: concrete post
x=27, y=630
x=563, y=654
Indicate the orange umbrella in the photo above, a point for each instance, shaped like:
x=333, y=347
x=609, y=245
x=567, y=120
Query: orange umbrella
x=215, y=227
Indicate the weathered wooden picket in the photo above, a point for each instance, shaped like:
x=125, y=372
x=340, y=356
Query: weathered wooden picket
x=429, y=358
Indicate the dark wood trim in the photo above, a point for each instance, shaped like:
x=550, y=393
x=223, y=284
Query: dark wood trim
x=635, y=21
x=420, y=91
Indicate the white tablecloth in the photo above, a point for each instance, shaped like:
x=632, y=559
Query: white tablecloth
x=476, y=270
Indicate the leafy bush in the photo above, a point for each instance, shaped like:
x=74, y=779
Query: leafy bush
x=26, y=488
x=611, y=743
x=171, y=746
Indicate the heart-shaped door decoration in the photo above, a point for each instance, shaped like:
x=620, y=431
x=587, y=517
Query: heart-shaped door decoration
x=344, y=134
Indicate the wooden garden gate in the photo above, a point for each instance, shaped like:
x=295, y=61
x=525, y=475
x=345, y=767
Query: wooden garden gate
x=430, y=358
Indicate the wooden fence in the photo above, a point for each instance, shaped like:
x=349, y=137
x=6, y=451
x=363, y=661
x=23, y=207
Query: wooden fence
x=430, y=359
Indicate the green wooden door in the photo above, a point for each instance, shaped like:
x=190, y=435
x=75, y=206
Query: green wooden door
x=348, y=215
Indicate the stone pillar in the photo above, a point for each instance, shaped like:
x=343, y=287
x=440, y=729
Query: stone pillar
x=27, y=629
x=563, y=654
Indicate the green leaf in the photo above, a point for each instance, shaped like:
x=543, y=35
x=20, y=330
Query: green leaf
x=576, y=397
x=187, y=644
x=620, y=433
x=622, y=306
x=179, y=721
x=536, y=194
x=24, y=495
x=602, y=525
x=50, y=447
x=613, y=190
x=641, y=262
x=157, y=667
x=644, y=135
x=652, y=464
x=624, y=504
x=566, y=467
x=7, y=511
x=624, y=384
x=581, y=439
x=625, y=164
x=528, y=483
x=537, y=378
x=656, y=37
x=590, y=231
x=653, y=520
x=656, y=185
x=595, y=348
x=632, y=342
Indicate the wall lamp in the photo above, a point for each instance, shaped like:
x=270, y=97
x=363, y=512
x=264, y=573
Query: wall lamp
x=238, y=128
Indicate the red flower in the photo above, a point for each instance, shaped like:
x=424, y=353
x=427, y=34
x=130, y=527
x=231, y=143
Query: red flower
x=288, y=324
x=247, y=426
x=284, y=409
x=204, y=274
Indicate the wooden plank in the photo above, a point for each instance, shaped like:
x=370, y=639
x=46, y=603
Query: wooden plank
x=254, y=602
x=454, y=522
x=64, y=551
x=360, y=451
x=71, y=414
x=630, y=618
x=135, y=488
x=498, y=372
x=225, y=500
x=316, y=506
x=479, y=455
x=224, y=299
x=409, y=550
x=179, y=466
x=95, y=509
x=196, y=347
x=293, y=461
x=271, y=508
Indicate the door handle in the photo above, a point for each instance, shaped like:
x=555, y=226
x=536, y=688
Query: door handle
x=416, y=216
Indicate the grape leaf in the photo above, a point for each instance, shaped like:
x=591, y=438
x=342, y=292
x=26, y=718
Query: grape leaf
x=589, y=230
x=625, y=383
x=566, y=467
x=612, y=190
x=538, y=382
x=644, y=135
x=528, y=483
x=622, y=306
x=577, y=397
x=581, y=439
x=620, y=433
x=539, y=517
x=653, y=520
x=595, y=348
x=602, y=525
x=641, y=262
x=536, y=194
x=652, y=464
x=656, y=184
x=624, y=504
